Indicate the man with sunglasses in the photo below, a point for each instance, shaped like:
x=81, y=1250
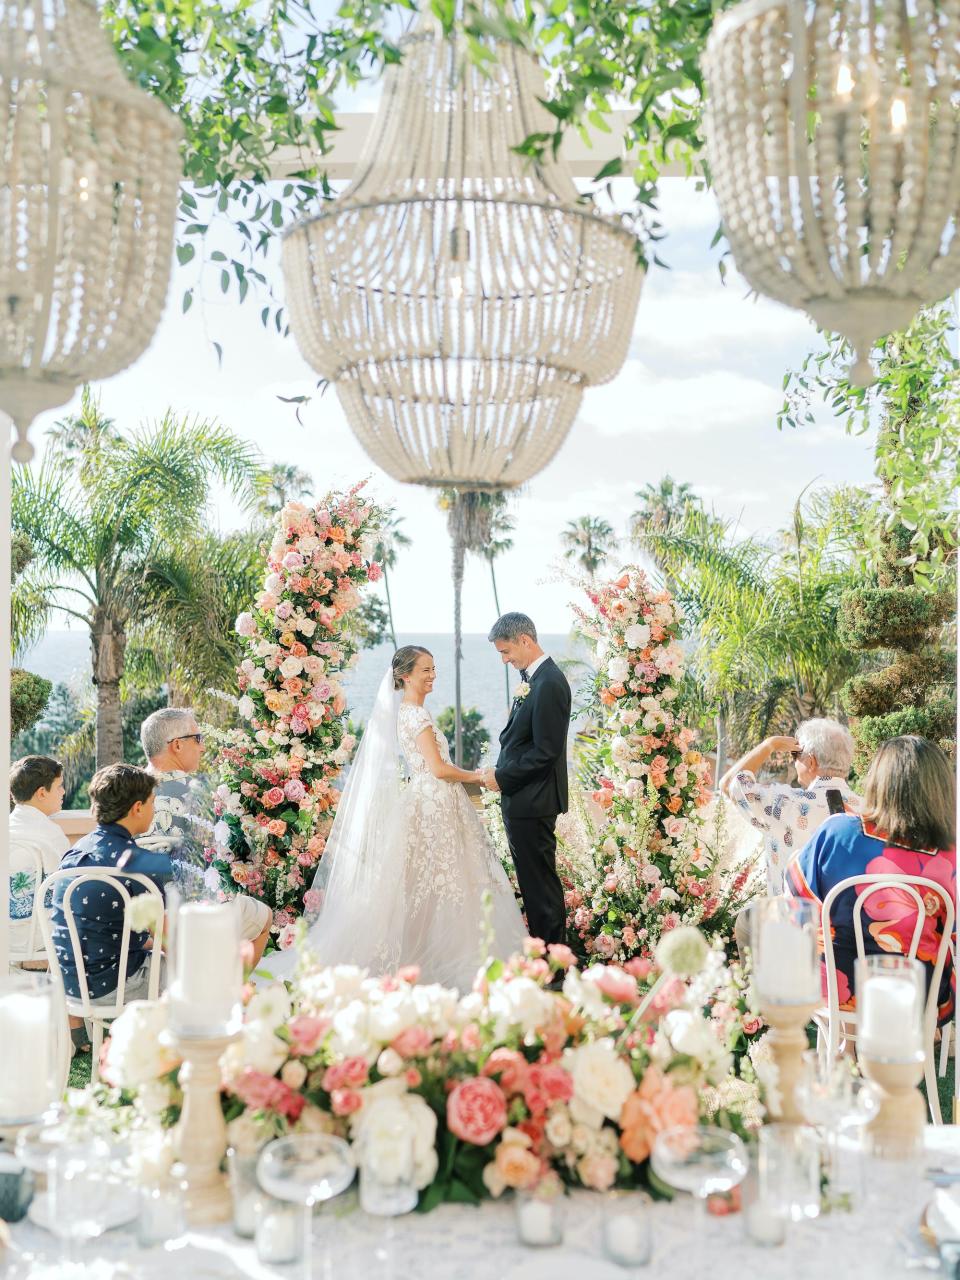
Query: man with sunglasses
x=822, y=754
x=183, y=824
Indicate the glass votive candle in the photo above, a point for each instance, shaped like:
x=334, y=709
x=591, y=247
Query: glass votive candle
x=279, y=1231
x=764, y=1221
x=387, y=1197
x=786, y=961
x=539, y=1218
x=788, y=1163
x=30, y=1004
x=245, y=1192
x=161, y=1219
x=626, y=1231
x=891, y=994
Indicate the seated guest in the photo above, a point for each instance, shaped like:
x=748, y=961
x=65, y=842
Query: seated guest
x=788, y=816
x=36, y=786
x=906, y=827
x=183, y=824
x=121, y=799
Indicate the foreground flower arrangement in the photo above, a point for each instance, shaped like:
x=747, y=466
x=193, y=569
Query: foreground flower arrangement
x=511, y=1086
x=277, y=799
x=645, y=861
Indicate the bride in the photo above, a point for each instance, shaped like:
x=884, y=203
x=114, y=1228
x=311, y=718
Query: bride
x=407, y=867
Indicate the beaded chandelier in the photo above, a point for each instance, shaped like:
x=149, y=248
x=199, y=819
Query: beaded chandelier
x=89, y=176
x=833, y=132
x=458, y=297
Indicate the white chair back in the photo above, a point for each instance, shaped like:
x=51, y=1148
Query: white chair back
x=915, y=887
x=83, y=1007
x=33, y=948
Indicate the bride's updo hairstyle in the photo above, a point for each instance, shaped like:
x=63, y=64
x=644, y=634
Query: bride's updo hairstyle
x=404, y=660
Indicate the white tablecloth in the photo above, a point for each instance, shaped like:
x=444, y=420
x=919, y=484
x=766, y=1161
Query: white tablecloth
x=462, y=1243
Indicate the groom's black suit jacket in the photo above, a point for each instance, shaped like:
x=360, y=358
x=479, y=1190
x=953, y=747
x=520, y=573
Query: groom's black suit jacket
x=532, y=768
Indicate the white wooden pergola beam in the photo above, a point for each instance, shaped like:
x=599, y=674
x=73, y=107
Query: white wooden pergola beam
x=584, y=157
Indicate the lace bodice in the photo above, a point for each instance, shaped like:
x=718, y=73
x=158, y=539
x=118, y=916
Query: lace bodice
x=411, y=722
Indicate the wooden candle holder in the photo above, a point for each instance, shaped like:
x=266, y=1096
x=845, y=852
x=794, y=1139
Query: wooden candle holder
x=896, y=1132
x=788, y=1042
x=201, y=1134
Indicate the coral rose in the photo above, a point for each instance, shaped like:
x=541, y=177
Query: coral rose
x=655, y=1106
x=477, y=1111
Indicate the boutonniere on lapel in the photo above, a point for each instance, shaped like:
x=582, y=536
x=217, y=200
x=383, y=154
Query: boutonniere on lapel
x=522, y=690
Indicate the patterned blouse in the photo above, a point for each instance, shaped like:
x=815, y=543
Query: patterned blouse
x=787, y=816
x=848, y=846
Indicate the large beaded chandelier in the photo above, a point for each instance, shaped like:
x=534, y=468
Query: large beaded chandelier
x=833, y=132
x=458, y=297
x=89, y=176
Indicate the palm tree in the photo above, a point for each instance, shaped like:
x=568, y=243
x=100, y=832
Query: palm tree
x=588, y=541
x=192, y=594
x=764, y=616
x=469, y=515
x=660, y=505
x=282, y=482
x=502, y=525
x=391, y=538
x=101, y=520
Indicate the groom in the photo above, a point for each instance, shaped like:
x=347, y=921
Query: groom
x=532, y=772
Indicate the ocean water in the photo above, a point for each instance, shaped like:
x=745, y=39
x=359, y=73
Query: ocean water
x=64, y=656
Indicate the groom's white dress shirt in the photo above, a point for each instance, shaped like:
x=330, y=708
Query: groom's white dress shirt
x=536, y=665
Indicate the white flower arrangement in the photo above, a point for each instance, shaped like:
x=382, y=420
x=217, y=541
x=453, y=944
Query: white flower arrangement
x=523, y=688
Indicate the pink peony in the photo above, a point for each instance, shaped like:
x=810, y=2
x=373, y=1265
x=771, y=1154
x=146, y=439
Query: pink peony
x=510, y=1066
x=294, y=790
x=604, y=945
x=374, y=572
x=554, y=1082
x=476, y=1110
x=292, y=560
x=312, y=900
x=245, y=625
x=267, y=1093
x=287, y=937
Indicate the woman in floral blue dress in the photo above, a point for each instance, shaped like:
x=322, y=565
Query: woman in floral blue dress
x=906, y=827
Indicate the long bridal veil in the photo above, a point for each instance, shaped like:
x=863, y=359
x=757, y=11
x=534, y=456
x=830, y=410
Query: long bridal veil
x=361, y=873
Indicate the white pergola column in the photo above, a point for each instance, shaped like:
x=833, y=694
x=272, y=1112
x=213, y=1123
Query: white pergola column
x=6, y=537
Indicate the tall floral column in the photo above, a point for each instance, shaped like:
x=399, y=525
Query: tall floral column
x=653, y=862
x=277, y=797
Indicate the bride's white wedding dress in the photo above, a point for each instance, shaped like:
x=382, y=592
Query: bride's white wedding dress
x=409, y=876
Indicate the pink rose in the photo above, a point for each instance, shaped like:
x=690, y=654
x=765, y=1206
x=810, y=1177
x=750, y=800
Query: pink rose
x=412, y=1042
x=560, y=955
x=751, y=1023
x=287, y=937
x=670, y=921
x=294, y=790
x=610, y=884
x=292, y=560
x=273, y=797
x=476, y=1110
x=597, y=1171
x=555, y=1083
x=312, y=899
x=345, y=1102
x=306, y=1033
x=245, y=625
x=674, y=827
x=374, y=572
x=616, y=984
x=604, y=945
x=284, y=610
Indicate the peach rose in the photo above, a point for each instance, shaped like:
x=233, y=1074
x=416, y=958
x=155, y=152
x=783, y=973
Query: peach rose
x=517, y=1166
x=654, y=1106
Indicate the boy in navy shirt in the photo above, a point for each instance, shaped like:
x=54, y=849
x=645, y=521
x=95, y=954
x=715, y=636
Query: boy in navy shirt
x=121, y=798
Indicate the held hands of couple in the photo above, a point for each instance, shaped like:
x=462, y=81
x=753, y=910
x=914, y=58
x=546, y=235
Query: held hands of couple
x=488, y=779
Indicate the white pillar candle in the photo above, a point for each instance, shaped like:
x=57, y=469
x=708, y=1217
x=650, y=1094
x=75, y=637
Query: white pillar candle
x=279, y=1235
x=537, y=1222
x=205, y=994
x=626, y=1237
x=764, y=1224
x=889, y=1025
x=26, y=1031
x=787, y=971
x=247, y=1206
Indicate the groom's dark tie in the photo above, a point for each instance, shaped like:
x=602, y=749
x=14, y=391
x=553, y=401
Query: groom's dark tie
x=523, y=676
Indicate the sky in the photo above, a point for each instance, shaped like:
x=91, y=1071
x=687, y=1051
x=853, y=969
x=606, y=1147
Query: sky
x=697, y=398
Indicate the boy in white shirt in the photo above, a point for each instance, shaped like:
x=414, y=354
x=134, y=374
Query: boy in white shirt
x=36, y=786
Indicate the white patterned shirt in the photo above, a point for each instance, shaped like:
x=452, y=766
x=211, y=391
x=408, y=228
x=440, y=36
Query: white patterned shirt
x=787, y=816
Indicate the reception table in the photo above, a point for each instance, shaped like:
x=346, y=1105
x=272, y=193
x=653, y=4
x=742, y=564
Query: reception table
x=456, y=1242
